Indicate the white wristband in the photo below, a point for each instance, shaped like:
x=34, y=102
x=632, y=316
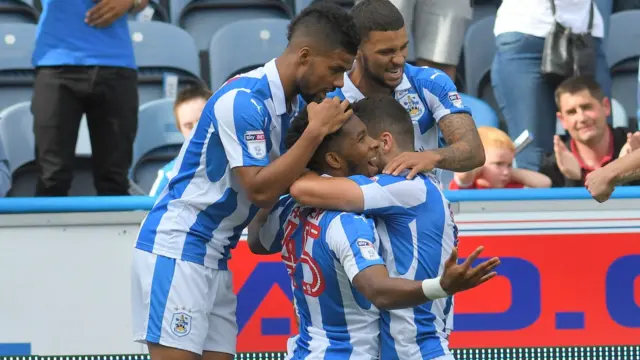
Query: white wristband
x=432, y=289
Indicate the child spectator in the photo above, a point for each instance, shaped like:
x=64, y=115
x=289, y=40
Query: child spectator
x=187, y=109
x=497, y=171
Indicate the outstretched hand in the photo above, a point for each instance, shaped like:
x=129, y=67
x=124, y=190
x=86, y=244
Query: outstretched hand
x=461, y=277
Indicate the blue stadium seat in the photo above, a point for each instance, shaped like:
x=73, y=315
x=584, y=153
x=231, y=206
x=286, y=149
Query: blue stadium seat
x=483, y=114
x=158, y=142
x=18, y=11
x=16, y=71
x=203, y=18
x=623, y=50
x=262, y=40
x=162, y=49
x=479, y=49
x=16, y=132
x=619, y=114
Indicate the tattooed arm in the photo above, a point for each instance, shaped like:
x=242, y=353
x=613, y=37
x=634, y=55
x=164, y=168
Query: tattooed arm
x=464, y=153
x=602, y=181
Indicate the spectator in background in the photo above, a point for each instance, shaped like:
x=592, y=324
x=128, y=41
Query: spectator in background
x=497, y=171
x=583, y=109
x=5, y=172
x=526, y=99
x=187, y=110
x=438, y=29
x=84, y=65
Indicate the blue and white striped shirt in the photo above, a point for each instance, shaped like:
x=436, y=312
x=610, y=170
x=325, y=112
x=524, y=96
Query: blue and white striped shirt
x=426, y=93
x=323, y=251
x=417, y=234
x=201, y=213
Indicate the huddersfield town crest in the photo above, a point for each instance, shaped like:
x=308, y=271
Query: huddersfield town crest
x=412, y=104
x=181, y=324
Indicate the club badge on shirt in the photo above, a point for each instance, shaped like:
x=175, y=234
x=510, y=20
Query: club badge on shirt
x=412, y=103
x=256, y=143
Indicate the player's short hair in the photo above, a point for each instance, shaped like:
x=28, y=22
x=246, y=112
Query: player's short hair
x=577, y=84
x=327, y=23
x=376, y=15
x=384, y=113
x=329, y=143
x=495, y=138
x=188, y=94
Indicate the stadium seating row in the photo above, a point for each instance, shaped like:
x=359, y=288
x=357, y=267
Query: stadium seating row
x=158, y=142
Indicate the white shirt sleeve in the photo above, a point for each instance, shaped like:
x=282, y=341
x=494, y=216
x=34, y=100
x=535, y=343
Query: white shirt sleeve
x=388, y=194
x=352, y=239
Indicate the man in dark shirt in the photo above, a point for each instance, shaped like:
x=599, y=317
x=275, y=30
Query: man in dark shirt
x=591, y=143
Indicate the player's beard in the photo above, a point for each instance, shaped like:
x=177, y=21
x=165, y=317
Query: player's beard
x=373, y=76
x=306, y=96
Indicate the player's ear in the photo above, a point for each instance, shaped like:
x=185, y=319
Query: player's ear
x=386, y=141
x=333, y=160
x=304, y=55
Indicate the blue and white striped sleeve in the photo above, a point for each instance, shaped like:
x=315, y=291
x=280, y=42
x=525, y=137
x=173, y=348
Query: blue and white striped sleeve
x=162, y=180
x=440, y=93
x=390, y=195
x=242, y=125
x=352, y=239
x=273, y=230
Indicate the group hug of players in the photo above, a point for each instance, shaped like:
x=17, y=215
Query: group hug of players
x=336, y=186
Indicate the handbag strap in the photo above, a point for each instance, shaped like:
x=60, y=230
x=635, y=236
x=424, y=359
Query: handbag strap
x=589, y=27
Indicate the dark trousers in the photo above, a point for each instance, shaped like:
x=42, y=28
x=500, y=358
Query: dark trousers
x=109, y=98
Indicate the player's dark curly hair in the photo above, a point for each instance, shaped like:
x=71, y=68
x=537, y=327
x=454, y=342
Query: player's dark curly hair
x=329, y=23
x=297, y=127
x=384, y=113
x=376, y=15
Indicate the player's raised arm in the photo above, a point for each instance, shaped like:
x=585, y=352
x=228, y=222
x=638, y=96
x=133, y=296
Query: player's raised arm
x=352, y=239
x=242, y=122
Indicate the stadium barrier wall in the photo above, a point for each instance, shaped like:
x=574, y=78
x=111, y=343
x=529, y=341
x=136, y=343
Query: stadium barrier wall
x=570, y=275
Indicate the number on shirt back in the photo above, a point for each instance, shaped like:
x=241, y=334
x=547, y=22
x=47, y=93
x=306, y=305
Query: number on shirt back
x=311, y=231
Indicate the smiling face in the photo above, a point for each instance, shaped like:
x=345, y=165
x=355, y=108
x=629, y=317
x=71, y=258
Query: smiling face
x=383, y=55
x=584, y=116
x=350, y=152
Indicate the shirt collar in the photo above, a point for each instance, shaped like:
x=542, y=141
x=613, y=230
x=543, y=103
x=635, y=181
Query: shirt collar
x=606, y=159
x=277, y=91
x=352, y=93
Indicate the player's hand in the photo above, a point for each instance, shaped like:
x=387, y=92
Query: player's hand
x=460, y=277
x=600, y=183
x=328, y=116
x=567, y=163
x=418, y=162
x=105, y=12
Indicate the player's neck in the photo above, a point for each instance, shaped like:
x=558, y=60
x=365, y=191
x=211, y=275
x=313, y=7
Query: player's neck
x=367, y=86
x=287, y=72
x=388, y=156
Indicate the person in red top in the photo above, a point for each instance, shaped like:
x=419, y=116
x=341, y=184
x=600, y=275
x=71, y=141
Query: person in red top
x=497, y=171
x=592, y=143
